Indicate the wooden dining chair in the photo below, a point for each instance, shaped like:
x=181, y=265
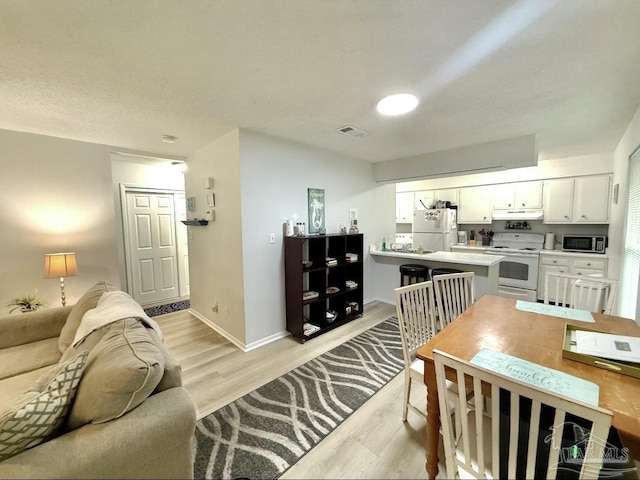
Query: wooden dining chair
x=416, y=319
x=596, y=294
x=517, y=446
x=454, y=293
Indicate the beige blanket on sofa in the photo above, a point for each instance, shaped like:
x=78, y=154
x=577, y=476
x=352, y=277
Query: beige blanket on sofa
x=111, y=307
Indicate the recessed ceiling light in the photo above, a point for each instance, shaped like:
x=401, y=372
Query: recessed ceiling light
x=397, y=104
x=169, y=139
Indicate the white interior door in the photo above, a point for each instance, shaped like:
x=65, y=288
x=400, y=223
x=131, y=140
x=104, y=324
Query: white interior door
x=152, y=247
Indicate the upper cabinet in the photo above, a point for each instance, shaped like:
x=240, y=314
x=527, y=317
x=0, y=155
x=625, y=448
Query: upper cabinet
x=447, y=195
x=404, y=207
x=511, y=196
x=427, y=198
x=424, y=199
x=577, y=200
x=475, y=204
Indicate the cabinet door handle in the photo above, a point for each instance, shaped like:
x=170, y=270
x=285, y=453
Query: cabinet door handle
x=523, y=205
x=509, y=204
x=555, y=261
x=583, y=216
x=588, y=264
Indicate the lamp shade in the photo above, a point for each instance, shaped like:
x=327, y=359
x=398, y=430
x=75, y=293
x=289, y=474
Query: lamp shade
x=60, y=265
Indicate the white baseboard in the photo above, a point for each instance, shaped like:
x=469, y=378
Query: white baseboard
x=266, y=340
x=379, y=299
x=241, y=345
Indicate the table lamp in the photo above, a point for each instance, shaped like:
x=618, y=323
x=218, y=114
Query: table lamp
x=60, y=265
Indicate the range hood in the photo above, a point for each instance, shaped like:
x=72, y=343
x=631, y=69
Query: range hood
x=522, y=214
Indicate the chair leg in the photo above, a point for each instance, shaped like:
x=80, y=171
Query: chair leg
x=407, y=393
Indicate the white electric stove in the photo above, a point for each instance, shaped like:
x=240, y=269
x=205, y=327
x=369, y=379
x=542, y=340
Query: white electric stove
x=518, y=277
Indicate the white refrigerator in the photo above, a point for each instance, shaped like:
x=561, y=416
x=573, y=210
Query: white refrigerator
x=435, y=230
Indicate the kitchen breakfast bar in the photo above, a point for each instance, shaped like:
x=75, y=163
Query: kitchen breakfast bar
x=485, y=267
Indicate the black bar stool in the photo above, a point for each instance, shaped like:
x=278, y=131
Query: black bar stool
x=419, y=273
x=444, y=271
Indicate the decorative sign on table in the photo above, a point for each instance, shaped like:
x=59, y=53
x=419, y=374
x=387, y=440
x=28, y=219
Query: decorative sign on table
x=538, y=375
x=316, y=211
x=555, y=311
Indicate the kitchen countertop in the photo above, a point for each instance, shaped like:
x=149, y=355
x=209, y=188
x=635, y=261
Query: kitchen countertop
x=574, y=254
x=445, y=257
x=470, y=248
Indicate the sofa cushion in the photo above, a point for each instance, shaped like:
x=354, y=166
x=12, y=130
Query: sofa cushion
x=172, y=376
x=13, y=387
x=41, y=412
x=88, y=301
x=30, y=356
x=122, y=370
x=89, y=342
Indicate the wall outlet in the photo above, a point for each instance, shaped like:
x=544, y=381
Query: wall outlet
x=272, y=238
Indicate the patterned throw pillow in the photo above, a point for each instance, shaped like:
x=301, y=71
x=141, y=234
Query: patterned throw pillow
x=41, y=412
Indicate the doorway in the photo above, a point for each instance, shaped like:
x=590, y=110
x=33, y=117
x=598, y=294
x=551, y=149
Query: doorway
x=156, y=250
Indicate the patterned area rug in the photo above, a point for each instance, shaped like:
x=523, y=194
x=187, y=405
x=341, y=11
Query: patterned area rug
x=265, y=432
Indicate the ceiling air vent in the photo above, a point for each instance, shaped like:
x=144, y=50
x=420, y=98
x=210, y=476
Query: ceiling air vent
x=352, y=131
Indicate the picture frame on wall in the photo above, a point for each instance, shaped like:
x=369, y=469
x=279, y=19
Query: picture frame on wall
x=317, y=205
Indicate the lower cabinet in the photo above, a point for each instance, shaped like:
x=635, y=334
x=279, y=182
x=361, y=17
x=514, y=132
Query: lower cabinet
x=323, y=282
x=575, y=264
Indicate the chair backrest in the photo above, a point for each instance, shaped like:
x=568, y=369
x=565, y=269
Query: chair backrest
x=416, y=316
x=454, y=293
x=499, y=457
x=596, y=294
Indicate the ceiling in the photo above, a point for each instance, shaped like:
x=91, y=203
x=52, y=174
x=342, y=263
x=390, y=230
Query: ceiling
x=124, y=73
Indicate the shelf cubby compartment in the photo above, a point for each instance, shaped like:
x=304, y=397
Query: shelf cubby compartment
x=318, y=277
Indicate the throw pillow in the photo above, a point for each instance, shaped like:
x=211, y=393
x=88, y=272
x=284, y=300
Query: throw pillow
x=122, y=370
x=88, y=301
x=39, y=413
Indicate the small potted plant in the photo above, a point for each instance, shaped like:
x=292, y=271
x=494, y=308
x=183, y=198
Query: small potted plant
x=26, y=303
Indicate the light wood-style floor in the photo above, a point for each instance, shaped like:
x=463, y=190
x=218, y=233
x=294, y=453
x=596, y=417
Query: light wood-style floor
x=373, y=443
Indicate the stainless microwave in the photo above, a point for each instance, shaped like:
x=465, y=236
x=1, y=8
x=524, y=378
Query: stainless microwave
x=584, y=243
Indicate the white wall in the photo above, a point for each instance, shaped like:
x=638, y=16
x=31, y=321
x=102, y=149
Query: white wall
x=561, y=167
x=56, y=196
x=629, y=142
x=215, y=250
x=275, y=177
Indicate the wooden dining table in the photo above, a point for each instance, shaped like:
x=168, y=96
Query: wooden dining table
x=494, y=322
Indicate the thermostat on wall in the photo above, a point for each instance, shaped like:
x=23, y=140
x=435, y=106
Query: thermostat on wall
x=207, y=182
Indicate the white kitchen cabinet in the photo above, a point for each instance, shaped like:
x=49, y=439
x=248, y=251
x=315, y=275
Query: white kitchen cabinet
x=517, y=195
x=591, y=199
x=576, y=264
x=475, y=204
x=558, y=200
x=577, y=200
x=447, y=195
x=424, y=199
x=404, y=207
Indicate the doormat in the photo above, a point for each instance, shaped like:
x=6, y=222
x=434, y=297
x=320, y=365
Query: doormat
x=167, y=308
x=266, y=431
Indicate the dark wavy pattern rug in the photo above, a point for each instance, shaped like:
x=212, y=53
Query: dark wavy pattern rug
x=265, y=432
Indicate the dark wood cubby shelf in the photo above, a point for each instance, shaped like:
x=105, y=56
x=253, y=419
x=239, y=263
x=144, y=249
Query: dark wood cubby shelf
x=319, y=276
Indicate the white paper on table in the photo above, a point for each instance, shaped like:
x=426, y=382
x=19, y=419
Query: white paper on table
x=606, y=345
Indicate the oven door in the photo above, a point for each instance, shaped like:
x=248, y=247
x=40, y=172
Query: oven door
x=518, y=270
